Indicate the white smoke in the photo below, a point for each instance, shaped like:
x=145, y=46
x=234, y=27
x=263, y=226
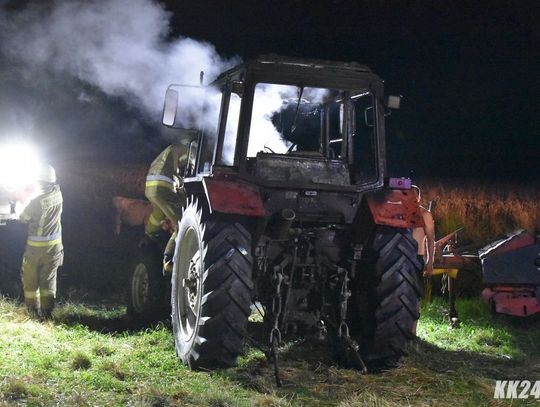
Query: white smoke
x=119, y=46
x=270, y=99
x=122, y=48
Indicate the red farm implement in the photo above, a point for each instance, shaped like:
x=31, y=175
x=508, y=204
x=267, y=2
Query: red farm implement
x=510, y=272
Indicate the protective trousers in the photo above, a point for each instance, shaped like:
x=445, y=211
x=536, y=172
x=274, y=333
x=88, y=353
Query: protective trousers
x=167, y=204
x=39, y=269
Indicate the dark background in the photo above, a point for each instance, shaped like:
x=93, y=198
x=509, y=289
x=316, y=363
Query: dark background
x=469, y=70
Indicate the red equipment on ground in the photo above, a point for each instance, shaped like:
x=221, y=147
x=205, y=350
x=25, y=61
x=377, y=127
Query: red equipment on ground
x=511, y=274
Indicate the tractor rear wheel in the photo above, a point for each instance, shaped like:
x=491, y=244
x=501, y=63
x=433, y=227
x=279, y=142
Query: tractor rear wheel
x=211, y=290
x=387, y=300
x=146, y=296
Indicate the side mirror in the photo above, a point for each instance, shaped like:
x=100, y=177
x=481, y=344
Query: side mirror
x=393, y=102
x=170, y=107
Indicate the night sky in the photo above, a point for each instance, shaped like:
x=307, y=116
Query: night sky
x=468, y=71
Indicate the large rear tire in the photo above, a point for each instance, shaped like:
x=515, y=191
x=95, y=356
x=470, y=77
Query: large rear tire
x=387, y=299
x=211, y=290
x=146, y=295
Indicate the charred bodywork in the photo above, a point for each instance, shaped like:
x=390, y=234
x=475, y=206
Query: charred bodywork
x=289, y=208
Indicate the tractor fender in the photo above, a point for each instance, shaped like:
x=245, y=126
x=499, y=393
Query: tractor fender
x=395, y=207
x=232, y=196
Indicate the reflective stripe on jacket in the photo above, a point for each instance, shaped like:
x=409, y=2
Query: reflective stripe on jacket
x=41, y=241
x=165, y=167
x=159, y=180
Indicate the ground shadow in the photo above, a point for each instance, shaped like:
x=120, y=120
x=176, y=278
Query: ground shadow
x=308, y=367
x=107, y=324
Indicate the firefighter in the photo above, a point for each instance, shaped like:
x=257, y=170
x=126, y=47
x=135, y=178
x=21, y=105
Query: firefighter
x=164, y=189
x=425, y=237
x=44, y=251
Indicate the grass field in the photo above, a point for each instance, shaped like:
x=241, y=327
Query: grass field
x=88, y=356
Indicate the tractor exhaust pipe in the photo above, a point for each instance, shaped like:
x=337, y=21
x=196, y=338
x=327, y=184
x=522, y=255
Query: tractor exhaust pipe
x=281, y=223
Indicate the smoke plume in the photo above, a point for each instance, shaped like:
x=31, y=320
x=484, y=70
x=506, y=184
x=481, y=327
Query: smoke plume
x=124, y=49
x=119, y=46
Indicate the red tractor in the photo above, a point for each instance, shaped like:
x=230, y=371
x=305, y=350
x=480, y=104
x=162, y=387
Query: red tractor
x=289, y=211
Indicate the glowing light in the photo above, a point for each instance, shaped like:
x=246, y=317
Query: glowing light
x=19, y=166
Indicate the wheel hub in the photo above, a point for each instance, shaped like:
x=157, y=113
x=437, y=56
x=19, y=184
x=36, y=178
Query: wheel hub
x=189, y=267
x=191, y=282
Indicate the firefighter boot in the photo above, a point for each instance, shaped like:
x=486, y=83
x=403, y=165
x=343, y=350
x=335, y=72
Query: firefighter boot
x=33, y=305
x=46, y=314
x=47, y=307
x=167, y=264
x=168, y=255
x=33, y=311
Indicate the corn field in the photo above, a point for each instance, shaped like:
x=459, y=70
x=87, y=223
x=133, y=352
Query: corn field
x=485, y=210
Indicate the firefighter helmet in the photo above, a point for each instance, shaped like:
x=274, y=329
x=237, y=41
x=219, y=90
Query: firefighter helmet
x=47, y=174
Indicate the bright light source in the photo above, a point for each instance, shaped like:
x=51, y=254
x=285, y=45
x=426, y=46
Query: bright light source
x=19, y=166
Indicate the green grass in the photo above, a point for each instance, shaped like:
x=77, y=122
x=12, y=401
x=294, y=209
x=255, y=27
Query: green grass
x=91, y=356
x=481, y=332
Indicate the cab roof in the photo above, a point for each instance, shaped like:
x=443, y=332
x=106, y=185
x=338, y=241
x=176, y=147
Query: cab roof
x=273, y=62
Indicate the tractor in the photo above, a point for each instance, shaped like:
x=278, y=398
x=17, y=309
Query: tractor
x=290, y=213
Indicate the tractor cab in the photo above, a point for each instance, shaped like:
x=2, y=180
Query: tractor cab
x=288, y=122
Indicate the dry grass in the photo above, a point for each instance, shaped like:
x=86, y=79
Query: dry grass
x=484, y=210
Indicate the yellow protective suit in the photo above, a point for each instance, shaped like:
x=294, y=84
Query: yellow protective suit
x=163, y=190
x=44, y=250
